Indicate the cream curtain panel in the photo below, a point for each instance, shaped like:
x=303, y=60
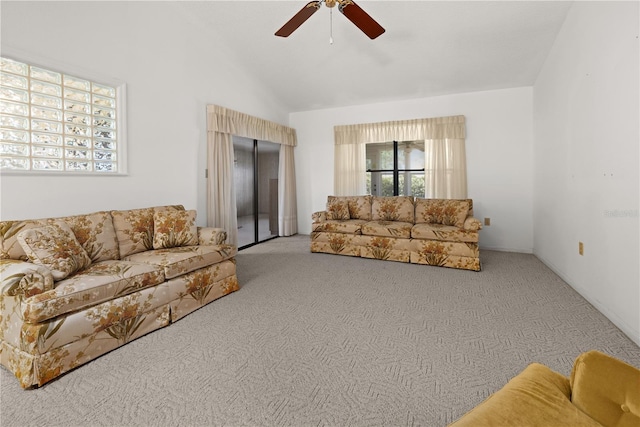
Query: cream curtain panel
x=445, y=171
x=287, y=206
x=445, y=161
x=221, y=196
x=222, y=123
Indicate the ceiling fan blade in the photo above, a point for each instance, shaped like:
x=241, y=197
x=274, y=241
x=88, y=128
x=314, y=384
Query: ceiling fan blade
x=361, y=19
x=299, y=18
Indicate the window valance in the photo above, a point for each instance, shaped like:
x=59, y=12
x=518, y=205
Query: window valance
x=224, y=120
x=452, y=127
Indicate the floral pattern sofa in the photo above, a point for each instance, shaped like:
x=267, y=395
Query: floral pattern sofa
x=74, y=288
x=441, y=232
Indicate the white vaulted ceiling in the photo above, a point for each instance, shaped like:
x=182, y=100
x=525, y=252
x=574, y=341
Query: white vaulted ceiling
x=429, y=48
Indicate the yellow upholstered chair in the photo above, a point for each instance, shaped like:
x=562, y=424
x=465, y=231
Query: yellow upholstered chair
x=601, y=391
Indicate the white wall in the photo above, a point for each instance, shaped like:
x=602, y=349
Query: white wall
x=586, y=132
x=499, y=156
x=172, y=66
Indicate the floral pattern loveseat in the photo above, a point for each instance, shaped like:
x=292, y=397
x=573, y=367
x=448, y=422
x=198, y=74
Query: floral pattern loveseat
x=74, y=288
x=441, y=232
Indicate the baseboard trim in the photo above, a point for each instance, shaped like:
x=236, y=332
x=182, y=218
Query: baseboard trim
x=502, y=249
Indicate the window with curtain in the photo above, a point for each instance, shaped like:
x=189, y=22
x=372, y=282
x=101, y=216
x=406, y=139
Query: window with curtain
x=443, y=139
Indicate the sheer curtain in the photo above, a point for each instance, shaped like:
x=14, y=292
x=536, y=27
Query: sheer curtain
x=221, y=197
x=222, y=123
x=445, y=171
x=350, y=169
x=445, y=160
x=287, y=207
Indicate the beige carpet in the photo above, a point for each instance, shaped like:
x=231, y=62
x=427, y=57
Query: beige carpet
x=325, y=340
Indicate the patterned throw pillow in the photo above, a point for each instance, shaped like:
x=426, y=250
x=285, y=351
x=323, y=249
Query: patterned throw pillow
x=55, y=247
x=442, y=211
x=338, y=209
x=173, y=228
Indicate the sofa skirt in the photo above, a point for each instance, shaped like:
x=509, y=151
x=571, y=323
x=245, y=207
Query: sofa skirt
x=198, y=288
x=38, y=369
x=38, y=353
x=460, y=255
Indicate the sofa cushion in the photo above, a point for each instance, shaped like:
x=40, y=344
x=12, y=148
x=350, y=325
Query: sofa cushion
x=537, y=396
x=397, y=208
x=55, y=247
x=174, y=228
x=359, y=206
x=606, y=389
x=338, y=209
x=96, y=234
x=350, y=226
x=100, y=282
x=118, y=317
x=134, y=228
x=181, y=260
x=9, y=246
x=442, y=211
x=387, y=229
x=447, y=233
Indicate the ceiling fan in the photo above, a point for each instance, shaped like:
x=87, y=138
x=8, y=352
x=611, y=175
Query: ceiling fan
x=348, y=8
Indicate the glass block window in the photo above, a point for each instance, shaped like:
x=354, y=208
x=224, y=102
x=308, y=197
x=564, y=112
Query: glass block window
x=51, y=121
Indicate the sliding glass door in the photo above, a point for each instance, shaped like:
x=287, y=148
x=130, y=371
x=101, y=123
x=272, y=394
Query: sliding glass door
x=256, y=184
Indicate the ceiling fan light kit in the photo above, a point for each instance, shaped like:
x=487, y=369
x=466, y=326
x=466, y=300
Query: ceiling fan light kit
x=348, y=8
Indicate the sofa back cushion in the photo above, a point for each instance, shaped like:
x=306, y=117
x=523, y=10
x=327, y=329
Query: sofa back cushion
x=134, y=228
x=9, y=246
x=442, y=211
x=338, y=209
x=395, y=208
x=606, y=389
x=94, y=232
x=55, y=247
x=359, y=206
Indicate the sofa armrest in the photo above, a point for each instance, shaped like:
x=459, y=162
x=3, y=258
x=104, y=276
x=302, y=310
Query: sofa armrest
x=320, y=216
x=472, y=224
x=24, y=279
x=211, y=236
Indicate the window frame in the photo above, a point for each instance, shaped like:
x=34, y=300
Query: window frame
x=395, y=171
x=83, y=73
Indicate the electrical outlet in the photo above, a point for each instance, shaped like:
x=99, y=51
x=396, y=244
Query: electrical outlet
x=487, y=221
x=581, y=248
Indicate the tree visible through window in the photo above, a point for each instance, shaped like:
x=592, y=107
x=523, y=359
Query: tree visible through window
x=51, y=121
x=395, y=168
